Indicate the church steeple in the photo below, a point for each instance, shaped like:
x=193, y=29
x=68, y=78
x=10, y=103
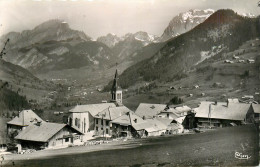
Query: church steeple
x=116, y=91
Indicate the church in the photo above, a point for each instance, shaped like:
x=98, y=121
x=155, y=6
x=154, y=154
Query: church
x=94, y=119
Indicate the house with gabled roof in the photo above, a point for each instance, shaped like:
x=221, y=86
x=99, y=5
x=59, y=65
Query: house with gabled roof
x=24, y=119
x=131, y=125
x=169, y=113
x=220, y=114
x=82, y=116
x=124, y=125
x=253, y=114
x=41, y=135
x=103, y=119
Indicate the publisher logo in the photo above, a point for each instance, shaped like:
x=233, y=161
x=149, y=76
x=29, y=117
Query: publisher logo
x=239, y=155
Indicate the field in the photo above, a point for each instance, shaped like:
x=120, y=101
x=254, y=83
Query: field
x=230, y=76
x=217, y=147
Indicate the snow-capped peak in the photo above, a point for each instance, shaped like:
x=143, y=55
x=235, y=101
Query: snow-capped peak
x=185, y=21
x=250, y=15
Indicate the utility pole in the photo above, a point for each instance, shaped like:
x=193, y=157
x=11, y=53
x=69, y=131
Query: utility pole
x=209, y=116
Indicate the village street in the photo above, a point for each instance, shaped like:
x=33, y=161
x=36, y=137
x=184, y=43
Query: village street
x=217, y=147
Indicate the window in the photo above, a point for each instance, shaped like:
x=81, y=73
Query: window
x=106, y=131
x=168, y=115
x=67, y=140
x=76, y=122
x=96, y=128
x=107, y=123
x=96, y=121
x=119, y=96
x=84, y=125
x=79, y=123
x=102, y=122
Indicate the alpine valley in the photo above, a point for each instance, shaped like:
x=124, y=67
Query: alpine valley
x=67, y=67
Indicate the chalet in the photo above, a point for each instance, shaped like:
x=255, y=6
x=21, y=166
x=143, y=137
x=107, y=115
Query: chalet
x=147, y=111
x=42, y=135
x=250, y=61
x=227, y=61
x=182, y=110
x=173, y=126
x=220, y=114
x=248, y=97
x=24, y=119
x=232, y=100
x=103, y=119
x=235, y=57
x=131, y=125
x=170, y=113
x=124, y=125
x=150, y=127
x=196, y=86
x=253, y=115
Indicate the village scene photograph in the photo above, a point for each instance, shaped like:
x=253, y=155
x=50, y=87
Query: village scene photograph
x=129, y=83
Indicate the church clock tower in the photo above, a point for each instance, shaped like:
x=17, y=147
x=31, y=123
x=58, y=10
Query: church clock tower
x=116, y=91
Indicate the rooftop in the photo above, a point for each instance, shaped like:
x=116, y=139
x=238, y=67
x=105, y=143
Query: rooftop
x=40, y=133
x=222, y=110
x=93, y=109
x=129, y=118
x=112, y=113
x=25, y=118
x=149, y=110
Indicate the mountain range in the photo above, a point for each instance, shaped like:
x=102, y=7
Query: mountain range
x=53, y=45
x=221, y=32
x=191, y=39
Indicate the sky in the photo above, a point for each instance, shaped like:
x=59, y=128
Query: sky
x=100, y=17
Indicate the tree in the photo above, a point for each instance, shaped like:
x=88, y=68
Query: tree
x=176, y=100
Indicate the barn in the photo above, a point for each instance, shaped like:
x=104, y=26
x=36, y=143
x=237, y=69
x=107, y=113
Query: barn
x=220, y=114
x=42, y=135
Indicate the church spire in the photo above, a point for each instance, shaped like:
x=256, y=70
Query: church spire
x=116, y=91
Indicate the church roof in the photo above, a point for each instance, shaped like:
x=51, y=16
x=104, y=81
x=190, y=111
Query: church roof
x=93, y=109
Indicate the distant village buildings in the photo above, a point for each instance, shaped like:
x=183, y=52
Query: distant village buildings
x=113, y=119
